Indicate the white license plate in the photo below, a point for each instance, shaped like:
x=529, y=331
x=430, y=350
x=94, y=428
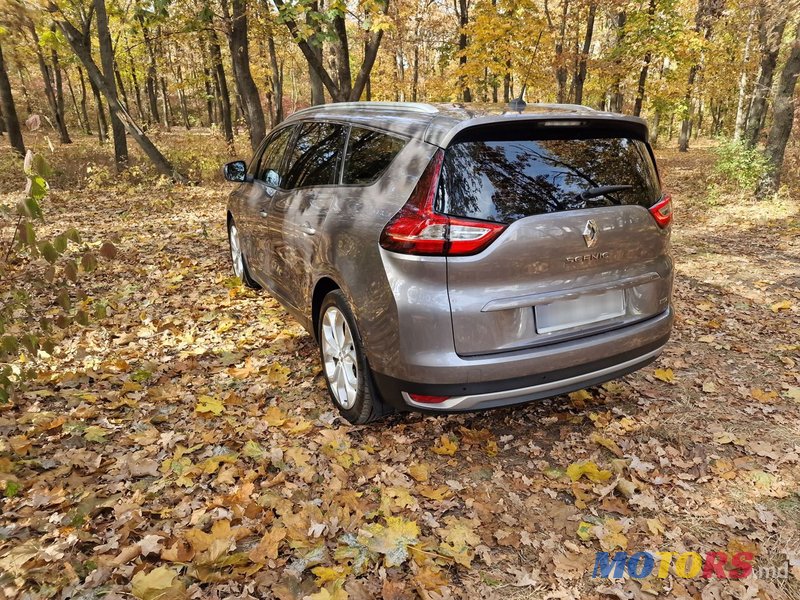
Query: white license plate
x=585, y=310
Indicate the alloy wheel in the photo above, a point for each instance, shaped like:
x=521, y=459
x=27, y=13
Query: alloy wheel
x=236, y=252
x=339, y=357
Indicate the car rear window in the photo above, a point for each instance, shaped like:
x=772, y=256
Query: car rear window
x=368, y=154
x=507, y=180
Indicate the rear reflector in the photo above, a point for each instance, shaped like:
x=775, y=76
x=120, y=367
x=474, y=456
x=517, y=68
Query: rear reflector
x=418, y=229
x=428, y=399
x=662, y=211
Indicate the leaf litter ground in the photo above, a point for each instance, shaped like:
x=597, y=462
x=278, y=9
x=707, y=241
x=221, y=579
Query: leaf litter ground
x=185, y=446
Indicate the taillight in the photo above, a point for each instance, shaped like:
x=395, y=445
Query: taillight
x=662, y=211
x=418, y=229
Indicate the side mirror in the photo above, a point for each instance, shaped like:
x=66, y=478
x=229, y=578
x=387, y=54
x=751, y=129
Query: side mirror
x=235, y=171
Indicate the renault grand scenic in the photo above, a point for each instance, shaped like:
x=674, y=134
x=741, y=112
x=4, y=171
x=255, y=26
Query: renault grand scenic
x=452, y=258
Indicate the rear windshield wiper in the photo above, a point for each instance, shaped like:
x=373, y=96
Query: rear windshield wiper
x=603, y=190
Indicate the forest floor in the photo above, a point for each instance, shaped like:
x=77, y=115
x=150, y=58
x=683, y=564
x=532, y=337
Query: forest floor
x=184, y=446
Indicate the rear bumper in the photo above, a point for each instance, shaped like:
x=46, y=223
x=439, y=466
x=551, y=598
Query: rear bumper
x=538, y=373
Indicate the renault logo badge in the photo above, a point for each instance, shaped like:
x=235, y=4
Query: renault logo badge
x=590, y=233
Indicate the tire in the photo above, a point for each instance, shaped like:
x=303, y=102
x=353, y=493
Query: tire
x=344, y=364
x=238, y=260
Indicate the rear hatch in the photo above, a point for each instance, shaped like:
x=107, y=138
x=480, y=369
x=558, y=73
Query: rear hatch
x=581, y=253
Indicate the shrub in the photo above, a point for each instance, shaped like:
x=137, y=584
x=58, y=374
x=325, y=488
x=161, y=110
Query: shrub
x=739, y=164
x=40, y=293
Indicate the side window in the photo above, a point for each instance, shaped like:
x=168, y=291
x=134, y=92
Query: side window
x=314, y=158
x=252, y=170
x=270, y=168
x=368, y=155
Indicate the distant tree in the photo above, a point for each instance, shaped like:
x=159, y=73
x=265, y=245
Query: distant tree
x=8, y=110
x=339, y=83
x=782, y=119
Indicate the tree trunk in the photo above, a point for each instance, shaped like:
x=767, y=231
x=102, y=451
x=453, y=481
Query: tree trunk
x=276, y=80
x=9, y=110
x=782, y=119
x=136, y=89
x=561, y=67
x=151, y=84
x=107, y=62
x=463, y=21
x=741, y=105
x=84, y=112
x=770, y=38
x=102, y=124
x=165, y=105
x=48, y=87
x=240, y=56
x=315, y=82
x=221, y=84
x=61, y=117
x=75, y=101
x=24, y=88
x=617, y=97
x=342, y=53
x=587, y=45
x=707, y=13
x=182, y=98
x=656, y=121
x=507, y=83
x=161, y=163
x=314, y=61
x=640, y=88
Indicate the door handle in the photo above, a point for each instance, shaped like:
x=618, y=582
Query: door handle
x=263, y=214
x=307, y=229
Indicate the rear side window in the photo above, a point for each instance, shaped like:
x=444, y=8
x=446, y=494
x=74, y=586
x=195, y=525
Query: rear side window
x=368, y=155
x=314, y=158
x=504, y=181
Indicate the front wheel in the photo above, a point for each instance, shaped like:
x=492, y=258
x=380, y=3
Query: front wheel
x=344, y=363
x=237, y=257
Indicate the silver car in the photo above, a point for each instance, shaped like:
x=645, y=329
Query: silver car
x=452, y=258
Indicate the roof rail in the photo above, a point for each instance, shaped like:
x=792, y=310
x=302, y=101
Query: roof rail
x=418, y=107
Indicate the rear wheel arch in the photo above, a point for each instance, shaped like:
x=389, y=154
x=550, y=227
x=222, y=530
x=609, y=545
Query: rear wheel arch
x=323, y=287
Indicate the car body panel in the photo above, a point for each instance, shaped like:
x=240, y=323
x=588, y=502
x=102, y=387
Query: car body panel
x=460, y=322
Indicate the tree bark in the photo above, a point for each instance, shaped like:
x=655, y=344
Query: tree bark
x=136, y=89
x=617, y=97
x=75, y=40
x=182, y=98
x=587, y=45
x=707, y=13
x=102, y=124
x=741, y=105
x=151, y=84
x=770, y=39
x=9, y=110
x=463, y=21
x=48, y=88
x=240, y=56
x=83, y=102
x=648, y=57
x=561, y=67
x=782, y=119
x=221, y=85
x=74, y=99
x=107, y=62
x=276, y=80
